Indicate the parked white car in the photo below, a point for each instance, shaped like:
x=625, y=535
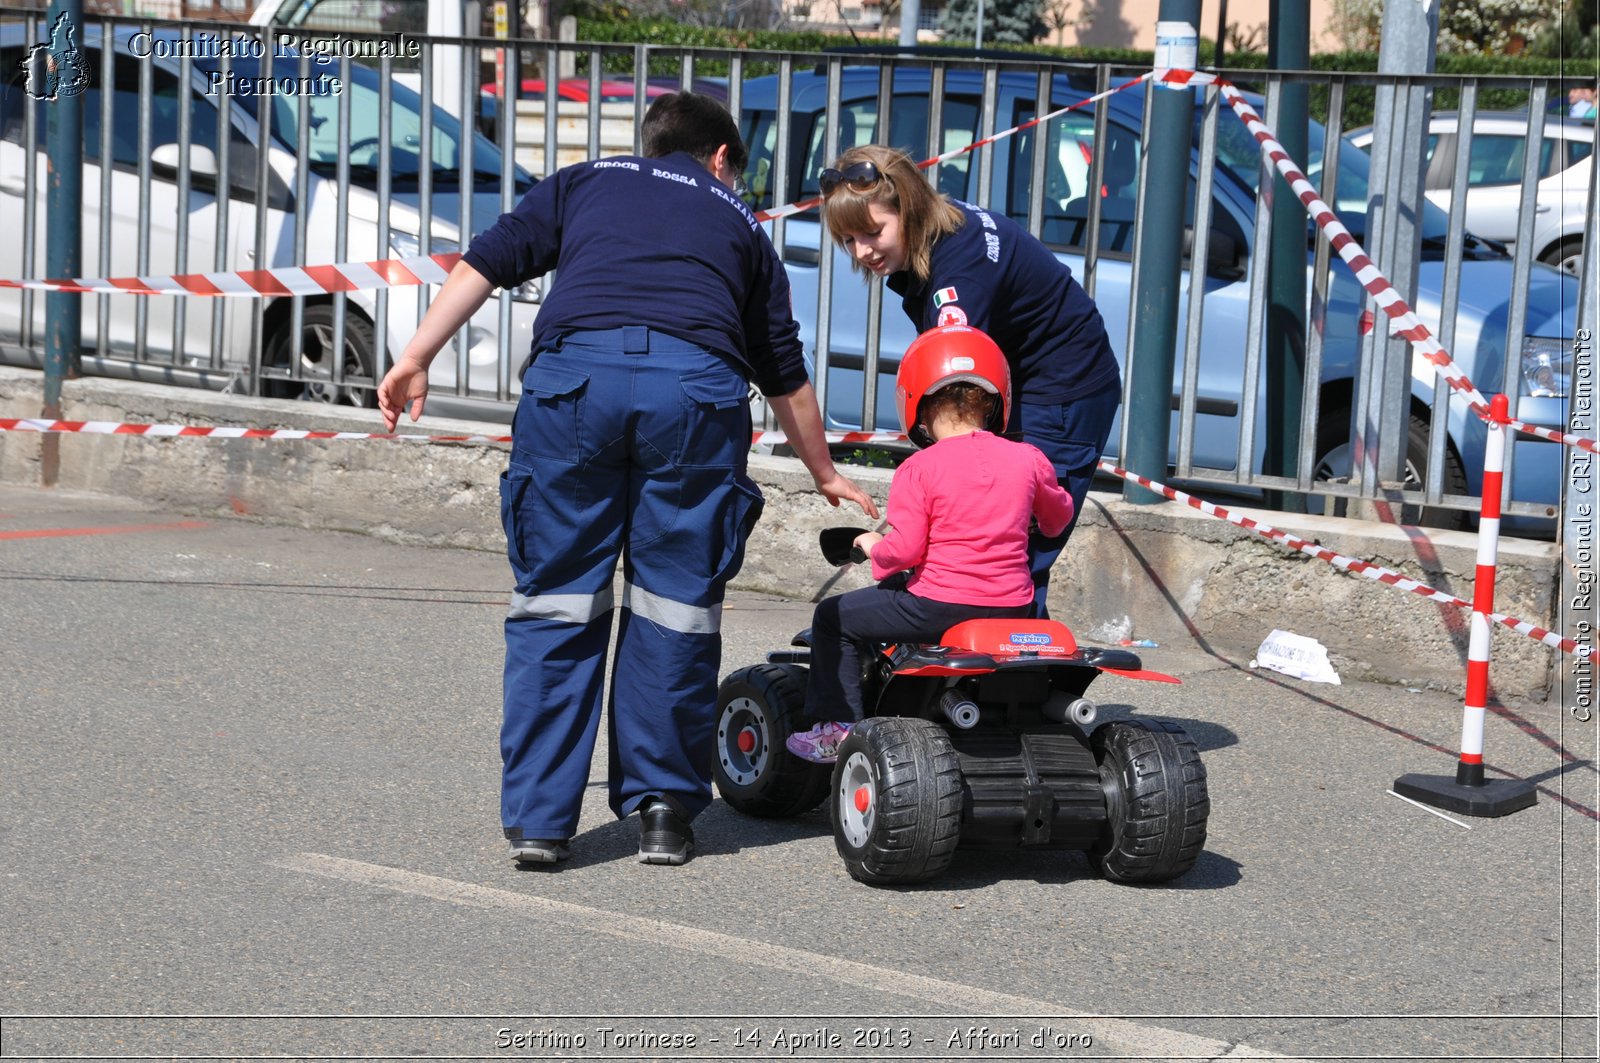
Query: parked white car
x=451, y=158
x=1494, y=178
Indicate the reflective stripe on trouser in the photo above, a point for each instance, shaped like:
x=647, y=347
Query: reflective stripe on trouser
x=640, y=456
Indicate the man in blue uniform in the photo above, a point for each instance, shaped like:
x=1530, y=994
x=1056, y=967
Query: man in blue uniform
x=630, y=441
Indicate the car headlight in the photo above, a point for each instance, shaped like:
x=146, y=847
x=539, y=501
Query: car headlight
x=1546, y=367
x=408, y=245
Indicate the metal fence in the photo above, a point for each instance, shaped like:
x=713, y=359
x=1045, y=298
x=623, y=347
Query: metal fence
x=254, y=155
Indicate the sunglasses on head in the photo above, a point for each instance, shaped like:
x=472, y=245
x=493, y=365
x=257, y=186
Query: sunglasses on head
x=860, y=176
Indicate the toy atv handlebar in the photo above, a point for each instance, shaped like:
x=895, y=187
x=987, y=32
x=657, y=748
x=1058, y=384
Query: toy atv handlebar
x=839, y=545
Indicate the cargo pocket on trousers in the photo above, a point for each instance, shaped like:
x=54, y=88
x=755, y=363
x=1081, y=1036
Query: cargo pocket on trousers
x=549, y=412
x=716, y=413
x=515, y=483
x=742, y=511
x=1074, y=459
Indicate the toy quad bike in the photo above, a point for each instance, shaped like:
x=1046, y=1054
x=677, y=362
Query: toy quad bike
x=984, y=741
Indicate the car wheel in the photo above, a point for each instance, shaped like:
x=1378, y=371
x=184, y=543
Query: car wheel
x=1335, y=464
x=1566, y=256
x=1156, y=801
x=757, y=708
x=313, y=351
x=896, y=800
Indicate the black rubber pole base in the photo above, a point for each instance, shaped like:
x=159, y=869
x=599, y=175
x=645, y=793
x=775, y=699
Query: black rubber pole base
x=1496, y=797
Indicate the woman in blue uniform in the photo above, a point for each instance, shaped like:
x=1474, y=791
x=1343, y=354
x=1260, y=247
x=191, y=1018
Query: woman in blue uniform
x=955, y=264
x=629, y=443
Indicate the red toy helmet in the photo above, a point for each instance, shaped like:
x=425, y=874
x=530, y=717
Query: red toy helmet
x=953, y=354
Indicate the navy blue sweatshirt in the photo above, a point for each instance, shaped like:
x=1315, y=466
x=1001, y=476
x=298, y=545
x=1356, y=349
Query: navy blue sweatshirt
x=653, y=242
x=991, y=274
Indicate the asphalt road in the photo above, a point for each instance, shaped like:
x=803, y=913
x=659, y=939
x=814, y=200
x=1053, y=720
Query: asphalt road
x=248, y=807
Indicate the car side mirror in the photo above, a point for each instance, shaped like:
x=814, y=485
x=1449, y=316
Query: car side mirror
x=1224, y=257
x=202, y=160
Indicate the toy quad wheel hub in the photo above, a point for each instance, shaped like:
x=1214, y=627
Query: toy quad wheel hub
x=855, y=799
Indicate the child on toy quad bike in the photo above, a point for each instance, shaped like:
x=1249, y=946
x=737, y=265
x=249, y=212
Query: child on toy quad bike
x=959, y=511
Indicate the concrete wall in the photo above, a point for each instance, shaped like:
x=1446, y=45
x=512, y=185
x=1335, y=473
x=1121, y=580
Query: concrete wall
x=1173, y=574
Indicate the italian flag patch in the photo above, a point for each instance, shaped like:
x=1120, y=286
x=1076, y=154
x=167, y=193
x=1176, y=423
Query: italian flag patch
x=944, y=295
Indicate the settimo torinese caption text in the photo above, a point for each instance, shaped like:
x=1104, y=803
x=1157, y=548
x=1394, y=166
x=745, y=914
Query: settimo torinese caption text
x=284, y=47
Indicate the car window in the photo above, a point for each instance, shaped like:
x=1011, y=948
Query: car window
x=1574, y=152
x=326, y=142
x=858, y=124
x=361, y=16
x=1069, y=145
x=759, y=132
x=1070, y=148
x=1069, y=151
x=166, y=100
x=908, y=130
x=1494, y=160
x=958, y=127
x=1239, y=157
x=409, y=17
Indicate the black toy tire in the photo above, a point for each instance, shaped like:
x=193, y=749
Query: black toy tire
x=765, y=703
x=910, y=829
x=1156, y=801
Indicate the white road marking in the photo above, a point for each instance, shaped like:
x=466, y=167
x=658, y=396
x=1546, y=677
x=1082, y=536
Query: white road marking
x=1110, y=1035
x=1425, y=808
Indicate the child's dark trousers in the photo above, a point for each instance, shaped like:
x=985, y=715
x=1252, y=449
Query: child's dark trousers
x=874, y=614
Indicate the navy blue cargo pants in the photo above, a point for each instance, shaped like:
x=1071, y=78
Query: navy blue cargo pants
x=627, y=443
x=1072, y=435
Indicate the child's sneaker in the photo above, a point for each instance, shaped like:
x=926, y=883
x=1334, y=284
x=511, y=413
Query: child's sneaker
x=820, y=745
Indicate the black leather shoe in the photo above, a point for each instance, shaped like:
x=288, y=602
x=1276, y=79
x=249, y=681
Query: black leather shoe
x=664, y=835
x=538, y=851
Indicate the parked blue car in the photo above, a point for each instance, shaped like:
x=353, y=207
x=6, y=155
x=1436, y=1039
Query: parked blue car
x=1480, y=341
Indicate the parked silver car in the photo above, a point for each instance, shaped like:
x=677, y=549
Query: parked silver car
x=1494, y=178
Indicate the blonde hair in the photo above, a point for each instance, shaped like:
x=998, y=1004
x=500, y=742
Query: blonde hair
x=925, y=215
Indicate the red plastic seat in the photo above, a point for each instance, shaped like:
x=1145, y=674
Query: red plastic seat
x=1011, y=638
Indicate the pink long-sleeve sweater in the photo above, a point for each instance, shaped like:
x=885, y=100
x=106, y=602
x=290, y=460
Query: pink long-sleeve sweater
x=959, y=512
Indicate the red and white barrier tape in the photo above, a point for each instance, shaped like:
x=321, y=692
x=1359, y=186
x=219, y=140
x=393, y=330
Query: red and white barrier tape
x=255, y=283
x=119, y=428
x=1403, y=322
x=775, y=438
x=1348, y=564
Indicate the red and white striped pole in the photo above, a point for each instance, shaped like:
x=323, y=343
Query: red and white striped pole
x=1469, y=792
x=1469, y=772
